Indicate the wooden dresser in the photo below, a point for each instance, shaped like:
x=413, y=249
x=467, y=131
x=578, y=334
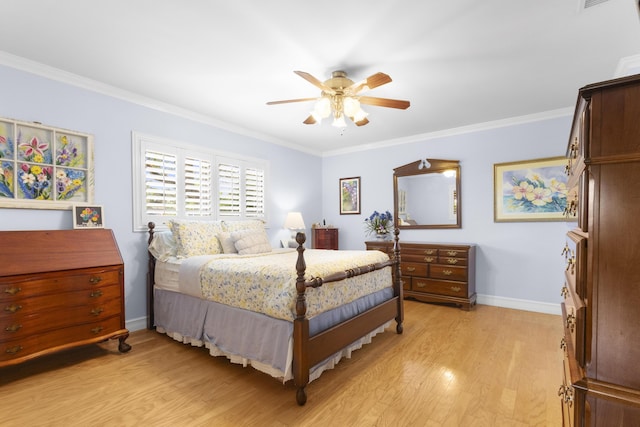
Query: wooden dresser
x=601, y=308
x=444, y=273
x=324, y=238
x=59, y=289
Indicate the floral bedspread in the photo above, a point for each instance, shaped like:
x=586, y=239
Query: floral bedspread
x=266, y=283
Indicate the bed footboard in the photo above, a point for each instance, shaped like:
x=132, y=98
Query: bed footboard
x=308, y=351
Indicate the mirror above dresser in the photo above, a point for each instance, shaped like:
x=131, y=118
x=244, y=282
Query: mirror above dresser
x=426, y=194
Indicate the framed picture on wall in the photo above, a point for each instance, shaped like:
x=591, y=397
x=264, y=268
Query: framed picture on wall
x=349, y=196
x=88, y=216
x=530, y=190
x=42, y=167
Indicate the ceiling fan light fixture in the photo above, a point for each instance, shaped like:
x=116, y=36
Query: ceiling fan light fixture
x=338, y=121
x=351, y=106
x=322, y=109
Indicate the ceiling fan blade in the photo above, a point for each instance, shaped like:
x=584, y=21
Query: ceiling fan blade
x=285, y=101
x=308, y=77
x=384, y=102
x=371, y=82
x=362, y=122
x=309, y=121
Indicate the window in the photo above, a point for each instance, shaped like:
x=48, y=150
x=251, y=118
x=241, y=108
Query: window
x=177, y=180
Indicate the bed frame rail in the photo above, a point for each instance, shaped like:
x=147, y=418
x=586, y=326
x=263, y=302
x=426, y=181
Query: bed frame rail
x=309, y=351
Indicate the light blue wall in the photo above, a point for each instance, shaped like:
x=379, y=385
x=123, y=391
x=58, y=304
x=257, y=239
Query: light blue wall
x=27, y=97
x=515, y=261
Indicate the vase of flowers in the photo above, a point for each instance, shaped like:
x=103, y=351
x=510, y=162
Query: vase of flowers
x=379, y=224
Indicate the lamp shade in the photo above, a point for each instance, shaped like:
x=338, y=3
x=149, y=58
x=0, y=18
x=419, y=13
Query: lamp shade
x=294, y=221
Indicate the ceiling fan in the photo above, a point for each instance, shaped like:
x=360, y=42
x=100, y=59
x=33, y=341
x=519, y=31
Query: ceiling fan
x=341, y=97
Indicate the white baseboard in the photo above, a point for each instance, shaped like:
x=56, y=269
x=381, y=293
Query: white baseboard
x=136, y=324
x=519, y=304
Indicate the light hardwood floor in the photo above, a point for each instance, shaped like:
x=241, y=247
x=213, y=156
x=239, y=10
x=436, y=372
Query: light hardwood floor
x=487, y=367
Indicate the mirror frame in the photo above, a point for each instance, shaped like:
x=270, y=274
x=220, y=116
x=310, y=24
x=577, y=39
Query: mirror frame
x=436, y=166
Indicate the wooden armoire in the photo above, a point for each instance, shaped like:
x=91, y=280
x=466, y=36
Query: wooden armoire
x=601, y=308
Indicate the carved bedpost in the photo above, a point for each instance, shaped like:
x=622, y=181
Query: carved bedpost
x=397, y=282
x=151, y=269
x=301, y=328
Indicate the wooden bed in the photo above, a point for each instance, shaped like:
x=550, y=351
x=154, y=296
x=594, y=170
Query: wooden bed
x=311, y=349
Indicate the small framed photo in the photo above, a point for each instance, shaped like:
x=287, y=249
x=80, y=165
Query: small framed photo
x=88, y=216
x=530, y=190
x=350, y=196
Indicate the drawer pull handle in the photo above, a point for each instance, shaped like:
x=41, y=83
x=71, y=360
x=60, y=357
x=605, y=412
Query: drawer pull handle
x=95, y=294
x=97, y=311
x=447, y=272
x=13, y=328
x=94, y=280
x=452, y=260
x=13, y=350
x=571, y=262
x=13, y=308
x=571, y=322
x=455, y=288
x=428, y=259
x=12, y=291
x=429, y=251
x=96, y=330
x=452, y=253
x=573, y=151
x=421, y=284
x=566, y=395
x=411, y=269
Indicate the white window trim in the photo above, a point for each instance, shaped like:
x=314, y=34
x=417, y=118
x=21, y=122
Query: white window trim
x=140, y=142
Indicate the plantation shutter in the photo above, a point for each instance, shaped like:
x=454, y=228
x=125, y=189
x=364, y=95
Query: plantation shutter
x=161, y=187
x=229, y=190
x=197, y=187
x=254, y=187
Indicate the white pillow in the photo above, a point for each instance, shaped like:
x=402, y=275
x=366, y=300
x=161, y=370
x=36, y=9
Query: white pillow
x=228, y=246
x=163, y=245
x=251, y=242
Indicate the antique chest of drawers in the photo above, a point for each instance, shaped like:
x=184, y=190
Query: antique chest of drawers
x=432, y=272
x=601, y=289
x=59, y=289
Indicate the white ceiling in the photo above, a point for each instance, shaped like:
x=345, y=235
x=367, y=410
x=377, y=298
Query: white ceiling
x=459, y=62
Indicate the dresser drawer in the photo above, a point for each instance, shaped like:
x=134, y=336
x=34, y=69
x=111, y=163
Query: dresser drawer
x=443, y=287
x=575, y=254
x=31, y=345
x=17, y=287
x=452, y=253
x=447, y=272
x=419, y=258
x=413, y=269
x=59, y=302
x=573, y=318
x=567, y=395
x=448, y=260
x=24, y=324
x=419, y=251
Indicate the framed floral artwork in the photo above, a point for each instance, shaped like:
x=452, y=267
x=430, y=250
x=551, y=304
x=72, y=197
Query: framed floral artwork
x=349, y=196
x=42, y=167
x=530, y=190
x=85, y=216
